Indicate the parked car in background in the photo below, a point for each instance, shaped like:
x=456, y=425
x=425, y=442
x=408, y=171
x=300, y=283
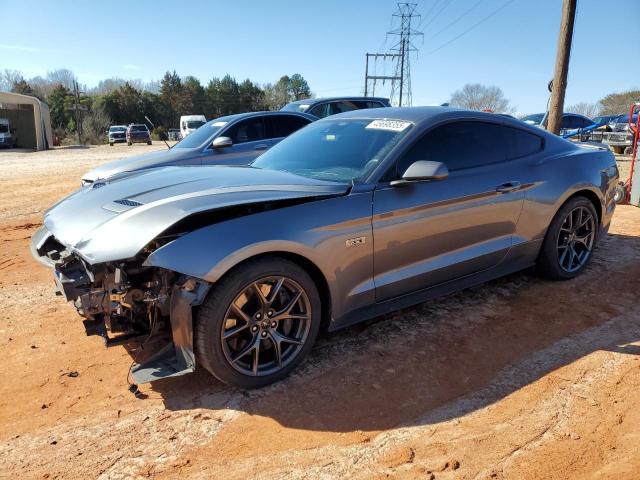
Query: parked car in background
x=572, y=124
x=620, y=138
x=6, y=136
x=173, y=134
x=117, y=134
x=138, y=133
x=190, y=123
x=323, y=107
x=354, y=216
x=232, y=140
x=603, y=125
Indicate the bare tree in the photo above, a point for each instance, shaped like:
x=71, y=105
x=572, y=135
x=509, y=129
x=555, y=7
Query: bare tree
x=96, y=124
x=62, y=76
x=481, y=97
x=8, y=78
x=590, y=110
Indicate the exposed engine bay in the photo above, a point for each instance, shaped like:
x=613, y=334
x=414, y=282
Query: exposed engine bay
x=146, y=309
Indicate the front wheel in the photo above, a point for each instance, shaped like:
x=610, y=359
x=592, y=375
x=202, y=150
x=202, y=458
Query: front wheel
x=258, y=323
x=149, y=142
x=570, y=239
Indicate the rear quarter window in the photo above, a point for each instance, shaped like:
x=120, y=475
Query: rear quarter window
x=521, y=143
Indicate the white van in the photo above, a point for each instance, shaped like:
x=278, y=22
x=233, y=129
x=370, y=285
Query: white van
x=6, y=139
x=190, y=123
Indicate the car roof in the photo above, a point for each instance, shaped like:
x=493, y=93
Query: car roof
x=241, y=116
x=311, y=101
x=429, y=115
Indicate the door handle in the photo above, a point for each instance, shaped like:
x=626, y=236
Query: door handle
x=508, y=187
x=262, y=146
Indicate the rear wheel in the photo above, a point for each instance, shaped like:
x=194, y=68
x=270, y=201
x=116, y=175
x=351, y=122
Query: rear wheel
x=258, y=323
x=111, y=144
x=620, y=194
x=570, y=240
x=149, y=142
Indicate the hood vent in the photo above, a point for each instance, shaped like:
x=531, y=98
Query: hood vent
x=122, y=205
x=128, y=203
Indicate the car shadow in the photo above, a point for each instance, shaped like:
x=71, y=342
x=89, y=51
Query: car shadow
x=477, y=347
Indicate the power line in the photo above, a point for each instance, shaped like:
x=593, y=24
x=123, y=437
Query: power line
x=495, y=12
x=456, y=20
x=437, y=14
x=426, y=15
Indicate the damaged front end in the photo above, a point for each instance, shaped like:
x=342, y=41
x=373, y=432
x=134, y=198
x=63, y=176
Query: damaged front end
x=146, y=309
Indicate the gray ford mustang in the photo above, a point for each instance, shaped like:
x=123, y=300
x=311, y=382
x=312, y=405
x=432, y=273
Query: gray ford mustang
x=237, y=268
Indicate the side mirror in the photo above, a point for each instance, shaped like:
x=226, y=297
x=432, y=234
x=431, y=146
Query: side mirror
x=421, y=171
x=221, y=142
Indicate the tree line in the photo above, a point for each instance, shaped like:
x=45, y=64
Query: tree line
x=117, y=101
x=491, y=98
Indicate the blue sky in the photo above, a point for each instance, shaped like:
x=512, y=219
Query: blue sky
x=325, y=41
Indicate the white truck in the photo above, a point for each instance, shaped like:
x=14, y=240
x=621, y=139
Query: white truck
x=190, y=123
x=6, y=138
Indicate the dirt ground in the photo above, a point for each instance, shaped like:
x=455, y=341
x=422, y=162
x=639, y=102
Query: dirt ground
x=518, y=379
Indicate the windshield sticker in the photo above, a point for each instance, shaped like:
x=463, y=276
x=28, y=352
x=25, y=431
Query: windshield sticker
x=330, y=138
x=218, y=124
x=391, y=125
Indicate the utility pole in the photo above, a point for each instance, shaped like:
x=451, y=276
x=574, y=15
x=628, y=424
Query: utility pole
x=78, y=109
x=559, y=85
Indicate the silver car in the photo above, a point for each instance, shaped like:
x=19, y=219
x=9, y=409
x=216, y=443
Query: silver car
x=238, y=268
x=231, y=140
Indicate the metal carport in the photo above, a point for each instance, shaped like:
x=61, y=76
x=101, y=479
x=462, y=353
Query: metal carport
x=29, y=117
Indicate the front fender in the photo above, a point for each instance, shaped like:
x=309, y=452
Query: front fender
x=319, y=231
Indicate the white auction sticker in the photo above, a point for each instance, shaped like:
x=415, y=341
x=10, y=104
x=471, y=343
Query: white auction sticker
x=391, y=125
x=219, y=124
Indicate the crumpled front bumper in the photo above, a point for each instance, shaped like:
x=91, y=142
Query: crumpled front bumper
x=70, y=273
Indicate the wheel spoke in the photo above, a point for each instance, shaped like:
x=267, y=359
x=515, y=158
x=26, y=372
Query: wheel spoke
x=234, y=331
x=277, y=348
x=253, y=344
x=572, y=256
x=280, y=338
x=584, y=240
x=275, y=290
x=258, y=291
x=256, y=357
x=238, y=311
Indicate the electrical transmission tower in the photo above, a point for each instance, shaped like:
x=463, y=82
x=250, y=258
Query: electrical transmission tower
x=405, y=15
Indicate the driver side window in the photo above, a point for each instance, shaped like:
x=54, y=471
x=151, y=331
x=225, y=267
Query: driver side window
x=459, y=145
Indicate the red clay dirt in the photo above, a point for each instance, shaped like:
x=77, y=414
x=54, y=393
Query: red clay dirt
x=517, y=379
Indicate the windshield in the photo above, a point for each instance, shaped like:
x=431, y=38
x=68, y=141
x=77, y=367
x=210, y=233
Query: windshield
x=193, y=124
x=335, y=150
x=118, y=129
x=138, y=128
x=296, y=107
x=202, y=135
x=4, y=128
x=534, y=119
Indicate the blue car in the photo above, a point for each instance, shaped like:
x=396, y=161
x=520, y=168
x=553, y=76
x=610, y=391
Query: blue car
x=231, y=140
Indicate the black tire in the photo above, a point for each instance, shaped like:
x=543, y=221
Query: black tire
x=211, y=350
x=628, y=150
x=149, y=142
x=549, y=260
x=111, y=144
x=129, y=143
